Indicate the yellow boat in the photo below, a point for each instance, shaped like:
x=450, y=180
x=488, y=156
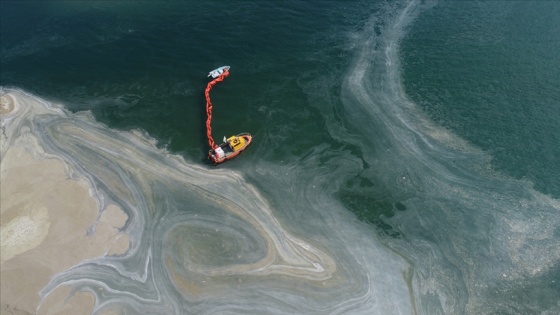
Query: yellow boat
x=231, y=148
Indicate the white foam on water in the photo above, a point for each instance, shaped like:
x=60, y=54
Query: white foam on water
x=205, y=240
x=471, y=234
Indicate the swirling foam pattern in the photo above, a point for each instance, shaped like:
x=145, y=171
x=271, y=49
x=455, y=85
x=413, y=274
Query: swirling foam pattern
x=478, y=240
x=203, y=240
x=276, y=241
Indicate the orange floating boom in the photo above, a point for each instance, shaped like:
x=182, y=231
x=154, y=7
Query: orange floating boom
x=232, y=146
x=220, y=78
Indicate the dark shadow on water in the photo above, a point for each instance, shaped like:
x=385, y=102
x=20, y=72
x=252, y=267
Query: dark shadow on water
x=372, y=210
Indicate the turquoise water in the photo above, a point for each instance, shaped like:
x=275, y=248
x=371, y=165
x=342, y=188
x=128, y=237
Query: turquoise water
x=414, y=145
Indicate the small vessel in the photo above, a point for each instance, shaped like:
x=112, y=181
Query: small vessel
x=233, y=145
x=217, y=72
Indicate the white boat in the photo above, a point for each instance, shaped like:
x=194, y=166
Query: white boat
x=217, y=72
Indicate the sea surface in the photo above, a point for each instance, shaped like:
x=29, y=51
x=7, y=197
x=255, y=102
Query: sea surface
x=406, y=154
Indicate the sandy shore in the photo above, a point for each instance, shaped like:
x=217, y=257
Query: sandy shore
x=45, y=218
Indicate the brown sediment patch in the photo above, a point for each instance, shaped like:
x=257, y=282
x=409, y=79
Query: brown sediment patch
x=45, y=217
x=7, y=104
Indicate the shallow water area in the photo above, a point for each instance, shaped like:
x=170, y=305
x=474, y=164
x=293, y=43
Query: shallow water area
x=194, y=233
x=42, y=235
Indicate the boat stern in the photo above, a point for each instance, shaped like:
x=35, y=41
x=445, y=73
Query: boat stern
x=232, y=147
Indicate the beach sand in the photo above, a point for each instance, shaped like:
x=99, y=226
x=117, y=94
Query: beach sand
x=45, y=217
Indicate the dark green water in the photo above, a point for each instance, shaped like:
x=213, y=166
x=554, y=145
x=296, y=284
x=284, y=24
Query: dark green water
x=417, y=142
x=145, y=65
x=489, y=71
